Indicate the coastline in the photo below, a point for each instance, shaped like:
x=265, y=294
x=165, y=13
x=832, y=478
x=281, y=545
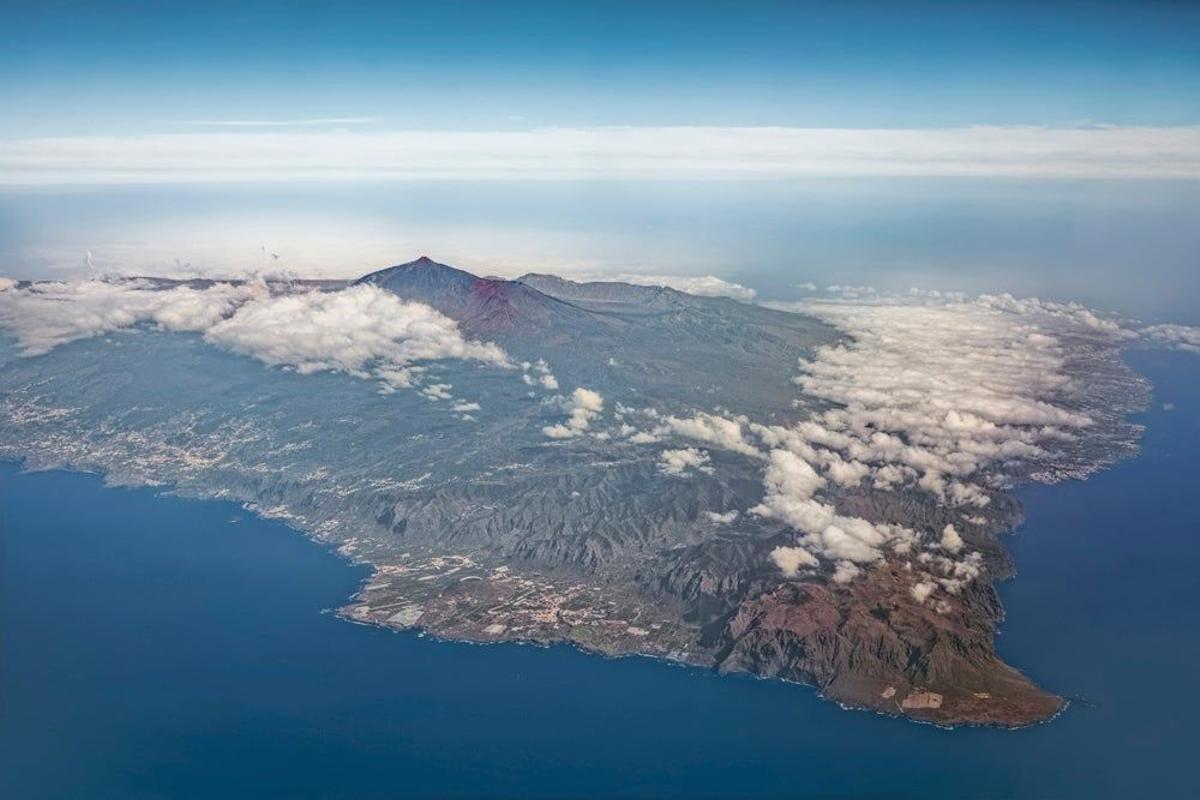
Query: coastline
x=679, y=648
x=688, y=716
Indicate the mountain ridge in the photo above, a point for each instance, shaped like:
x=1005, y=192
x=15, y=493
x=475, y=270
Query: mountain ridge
x=482, y=306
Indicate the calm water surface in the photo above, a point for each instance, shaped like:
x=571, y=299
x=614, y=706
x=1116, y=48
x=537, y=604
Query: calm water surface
x=158, y=647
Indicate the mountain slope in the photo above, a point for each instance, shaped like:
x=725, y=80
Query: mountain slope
x=610, y=294
x=482, y=306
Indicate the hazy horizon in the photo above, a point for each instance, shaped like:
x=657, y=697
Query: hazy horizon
x=1110, y=244
x=1039, y=149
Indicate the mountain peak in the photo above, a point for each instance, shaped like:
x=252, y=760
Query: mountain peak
x=424, y=262
x=481, y=305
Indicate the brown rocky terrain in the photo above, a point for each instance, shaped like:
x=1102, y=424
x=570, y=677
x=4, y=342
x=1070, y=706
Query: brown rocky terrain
x=869, y=645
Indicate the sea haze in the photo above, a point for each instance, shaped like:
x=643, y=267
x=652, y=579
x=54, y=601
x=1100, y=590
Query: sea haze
x=167, y=647
x=1110, y=244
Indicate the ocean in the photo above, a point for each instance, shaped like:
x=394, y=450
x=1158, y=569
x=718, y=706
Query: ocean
x=152, y=646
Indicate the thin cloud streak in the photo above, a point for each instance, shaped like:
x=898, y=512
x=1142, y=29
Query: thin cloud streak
x=278, y=123
x=607, y=153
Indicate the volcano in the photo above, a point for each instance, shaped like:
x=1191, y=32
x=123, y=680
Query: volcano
x=483, y=306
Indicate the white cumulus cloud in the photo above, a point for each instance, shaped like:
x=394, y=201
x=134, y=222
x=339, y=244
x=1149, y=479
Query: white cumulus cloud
x=792, y=559
x=584, y=405
x=933, y=392
x=362, y=330
x=951, y=541
x=683, y=462
x=1179, y=337
x=713, y=429
x=46, y=315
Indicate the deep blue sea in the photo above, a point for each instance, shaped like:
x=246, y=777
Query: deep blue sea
x=160, y=647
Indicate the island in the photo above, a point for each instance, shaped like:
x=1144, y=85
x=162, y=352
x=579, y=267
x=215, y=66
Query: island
x=816, y=493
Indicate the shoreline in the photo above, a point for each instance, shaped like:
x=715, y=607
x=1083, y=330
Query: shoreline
x=346, y=550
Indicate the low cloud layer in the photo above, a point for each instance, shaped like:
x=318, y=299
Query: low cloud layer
x=934, y=393
x=700, y=285
x=46, y=315
x=1179, y=337
x=607, y=153
x=361, y=331
x=931, y=392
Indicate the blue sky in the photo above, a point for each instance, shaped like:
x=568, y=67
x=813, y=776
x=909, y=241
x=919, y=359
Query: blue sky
x=137, y=67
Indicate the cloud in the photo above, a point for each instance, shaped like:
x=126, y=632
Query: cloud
x=930, y=392
x=951, y=541
x=721, y=432
x=792, y=479
x=846, y=473
x=723, y=519
x=46, y=315
x=437, y=391
x=921, y=590
x=792, y=559
x=362, y=331
x=607, y=153
x=1178, y=337
x=791, y=483
x=278, y=123
x=588, y=400
x=538, y=374
x=680, y=463
x=699, y=285
x=584, y=405
x=846, y=571
x=938, y=393
x=948, y=573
